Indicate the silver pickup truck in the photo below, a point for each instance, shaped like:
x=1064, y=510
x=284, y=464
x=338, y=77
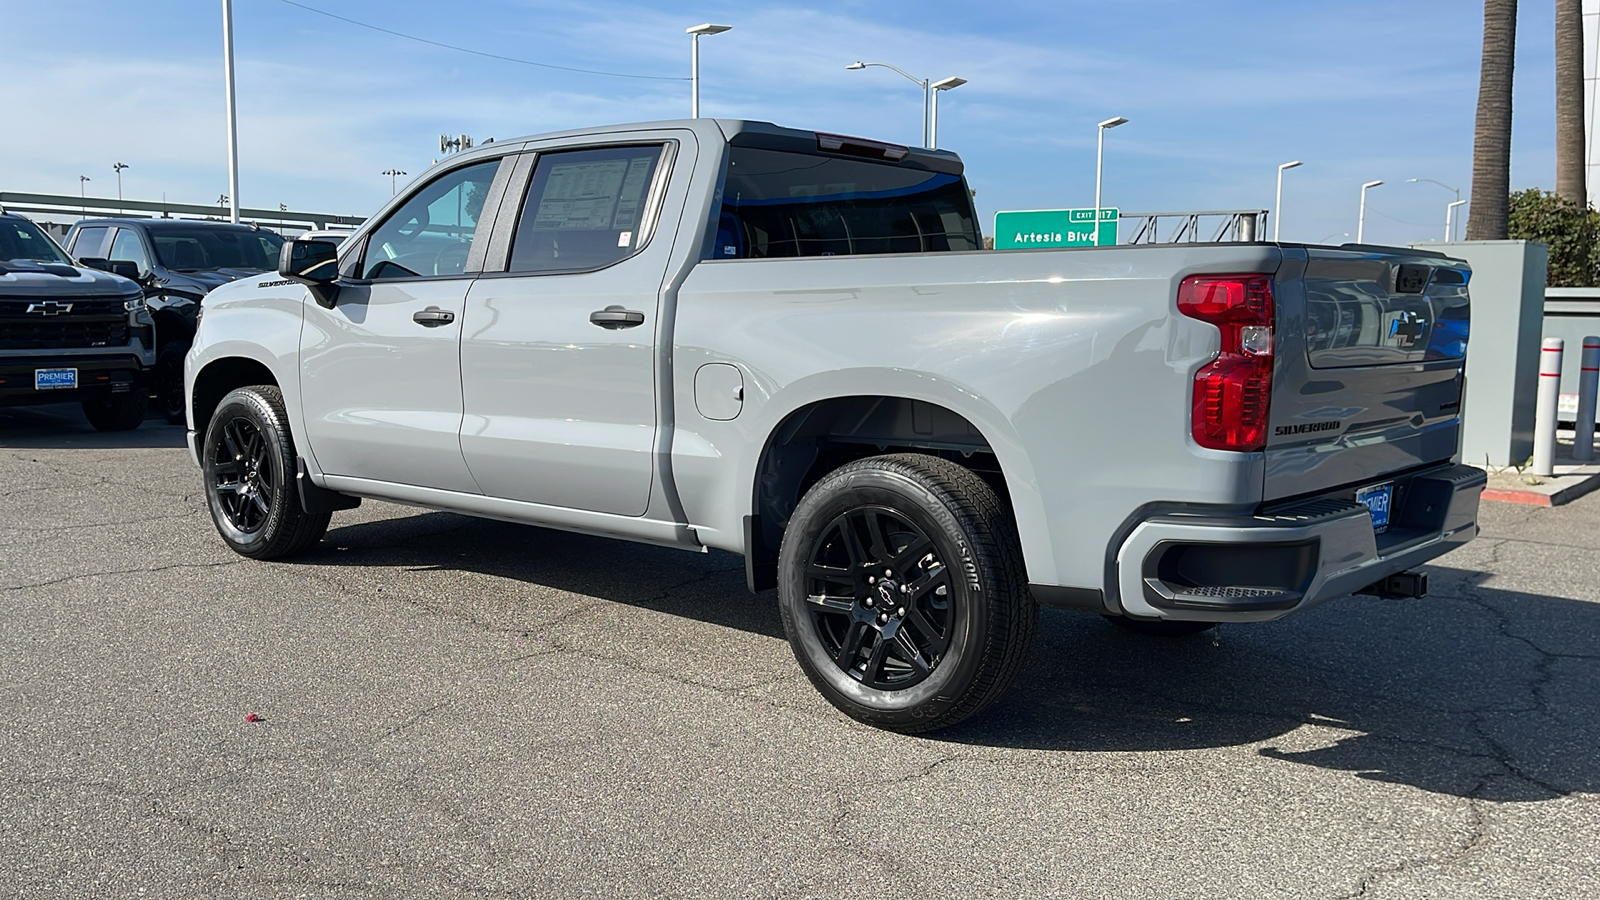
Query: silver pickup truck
x=792, y=346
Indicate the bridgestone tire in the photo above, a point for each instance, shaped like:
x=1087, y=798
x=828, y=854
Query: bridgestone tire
x=834, y=591
x=1168, y=628
x=123, y=412
x=247, y=459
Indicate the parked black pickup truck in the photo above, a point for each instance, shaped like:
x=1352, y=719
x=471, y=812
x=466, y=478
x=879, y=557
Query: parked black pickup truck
x=71, y=332
x=177, y=261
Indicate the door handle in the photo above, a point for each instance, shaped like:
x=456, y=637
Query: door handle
x=433, y=317
x=615, y=317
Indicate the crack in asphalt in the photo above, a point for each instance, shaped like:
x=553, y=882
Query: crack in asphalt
x=136, y=571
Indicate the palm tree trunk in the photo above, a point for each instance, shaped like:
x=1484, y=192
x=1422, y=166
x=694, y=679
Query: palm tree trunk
x=1491, y=138
x=1570, y=163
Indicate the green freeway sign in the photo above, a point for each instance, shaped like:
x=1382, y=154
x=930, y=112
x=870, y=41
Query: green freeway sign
x=1053, y=228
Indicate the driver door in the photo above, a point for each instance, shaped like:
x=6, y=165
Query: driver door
x=381, y=370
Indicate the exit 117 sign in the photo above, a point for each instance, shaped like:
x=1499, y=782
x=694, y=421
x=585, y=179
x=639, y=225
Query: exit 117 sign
x=1053, y=228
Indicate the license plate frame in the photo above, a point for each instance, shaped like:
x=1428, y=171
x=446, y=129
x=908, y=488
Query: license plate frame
x=55, y=379
x=1379, y=501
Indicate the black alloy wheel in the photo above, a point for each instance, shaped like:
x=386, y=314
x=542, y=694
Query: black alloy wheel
x=168, y=378
x=879, y=598
x=248, y=464
x=903, y=593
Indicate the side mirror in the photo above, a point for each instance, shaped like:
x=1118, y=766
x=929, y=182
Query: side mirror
x=309, y=261
x=127, y=268
x=95, y=262
x=314, y=263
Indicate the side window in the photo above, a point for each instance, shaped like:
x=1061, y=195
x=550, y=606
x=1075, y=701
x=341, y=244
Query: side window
x=585, y=209
x=89, y=243
x=126, y=245
x=782, y=204
x=431, y=233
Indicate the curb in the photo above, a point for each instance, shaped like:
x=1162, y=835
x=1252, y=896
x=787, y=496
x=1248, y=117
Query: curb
x=1564, y=489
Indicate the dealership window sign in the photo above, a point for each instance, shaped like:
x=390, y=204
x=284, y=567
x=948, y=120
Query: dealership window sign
x=1053, y=228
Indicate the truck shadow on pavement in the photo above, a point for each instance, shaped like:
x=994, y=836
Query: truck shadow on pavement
x=61, y=426
x=1474, y=692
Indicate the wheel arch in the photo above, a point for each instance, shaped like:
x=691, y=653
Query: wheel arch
x=218, y=378
x=822, y=433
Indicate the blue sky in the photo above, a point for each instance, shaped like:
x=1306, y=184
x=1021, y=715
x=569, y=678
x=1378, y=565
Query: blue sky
x=1218, y=93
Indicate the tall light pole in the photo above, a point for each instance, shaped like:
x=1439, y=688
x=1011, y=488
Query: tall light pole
x=1449, y=208
x=943, y=84
x=391, y=173
x=694, y=62
x=1361, y=220
x=83, y=193
x=117, y=168
x=927, y=92
x=1450, y=221
x=1099, y=166
x=233, y=112
x=1277, y=203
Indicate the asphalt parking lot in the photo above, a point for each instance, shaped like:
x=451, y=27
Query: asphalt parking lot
x=452, y=707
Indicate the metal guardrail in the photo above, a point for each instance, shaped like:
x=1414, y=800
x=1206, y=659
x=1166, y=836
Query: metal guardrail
x=98, y=207
x=1242, y=224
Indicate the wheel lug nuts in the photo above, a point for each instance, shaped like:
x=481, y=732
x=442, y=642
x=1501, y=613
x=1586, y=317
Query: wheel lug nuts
x=867, y=603
x=888, y=573
x=883, y=619
x=905, y=588
x=872, y=579
x=901, y=612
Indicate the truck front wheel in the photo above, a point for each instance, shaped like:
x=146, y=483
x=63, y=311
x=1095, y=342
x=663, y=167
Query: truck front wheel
x=903, y=594
x=122, y=412
x=249, y=469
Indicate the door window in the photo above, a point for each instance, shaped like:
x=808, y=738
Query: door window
x=585, y=209
x=432, y=233
x=127, y=246
x=89, y=242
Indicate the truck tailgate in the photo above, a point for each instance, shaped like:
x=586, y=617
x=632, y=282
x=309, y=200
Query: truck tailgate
x=1370, y=347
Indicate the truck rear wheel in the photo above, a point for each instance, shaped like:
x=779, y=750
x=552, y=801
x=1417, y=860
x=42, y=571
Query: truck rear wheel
x=122, y=412
x=248, y=461
x=903, y=594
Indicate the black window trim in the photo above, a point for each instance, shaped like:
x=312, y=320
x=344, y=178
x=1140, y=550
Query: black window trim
x=480, y=236
x=498, y=262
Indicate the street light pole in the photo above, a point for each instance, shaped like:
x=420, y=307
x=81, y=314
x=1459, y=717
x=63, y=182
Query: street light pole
x=391, y=173
x=927, y=92
x=1449, y=220
x=83, y=193
x=233, y=112
x=943, y=84
x=117, y=168
x=1277, y=203
x=694, y=62
x=1361, y=220
x=1449, y=209
x=1099, y=166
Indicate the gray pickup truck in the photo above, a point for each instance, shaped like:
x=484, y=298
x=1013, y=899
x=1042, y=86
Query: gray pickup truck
x=792, y=346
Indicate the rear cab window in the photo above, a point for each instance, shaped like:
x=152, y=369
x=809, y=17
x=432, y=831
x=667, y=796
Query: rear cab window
x=588, y=208
x=788, y=200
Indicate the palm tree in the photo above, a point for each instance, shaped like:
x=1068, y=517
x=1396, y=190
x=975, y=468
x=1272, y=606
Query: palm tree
x=1491, y=138
x=1570, y=162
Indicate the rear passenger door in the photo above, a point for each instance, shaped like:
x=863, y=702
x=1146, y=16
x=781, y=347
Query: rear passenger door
x=558, y=347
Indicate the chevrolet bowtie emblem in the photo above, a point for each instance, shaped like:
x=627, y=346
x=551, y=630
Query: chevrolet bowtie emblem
x=50, y=308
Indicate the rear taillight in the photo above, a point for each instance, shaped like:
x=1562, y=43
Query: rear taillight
x=1232, y=393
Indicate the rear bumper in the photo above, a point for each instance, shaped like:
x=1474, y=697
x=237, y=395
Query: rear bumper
x=1249, y=569
x=99, y=377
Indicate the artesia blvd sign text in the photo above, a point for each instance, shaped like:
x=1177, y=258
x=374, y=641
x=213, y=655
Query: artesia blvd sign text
x=1053, y=228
